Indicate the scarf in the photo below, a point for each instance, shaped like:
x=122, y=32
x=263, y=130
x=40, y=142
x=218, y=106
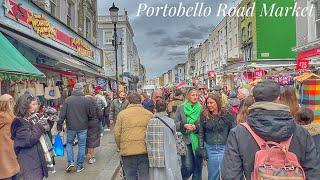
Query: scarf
x=192, y=114
x=46, y=145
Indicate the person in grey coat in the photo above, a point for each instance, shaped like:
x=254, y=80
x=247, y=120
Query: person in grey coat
x=161, y=146
x=76, y=112
x=118, y=105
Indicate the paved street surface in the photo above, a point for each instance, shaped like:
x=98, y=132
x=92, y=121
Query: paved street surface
x=104, y=168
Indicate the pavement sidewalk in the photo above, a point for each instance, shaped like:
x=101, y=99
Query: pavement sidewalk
x=105, y=168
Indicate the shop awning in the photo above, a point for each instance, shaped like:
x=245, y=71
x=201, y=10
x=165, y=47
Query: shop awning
x=13, y=65
x=64, y=60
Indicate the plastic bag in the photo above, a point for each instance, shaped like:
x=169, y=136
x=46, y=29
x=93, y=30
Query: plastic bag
x=58, y=145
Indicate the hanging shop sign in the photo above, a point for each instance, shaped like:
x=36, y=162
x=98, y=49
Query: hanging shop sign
x=258, y=73
x=42, y=26
x=302, y=64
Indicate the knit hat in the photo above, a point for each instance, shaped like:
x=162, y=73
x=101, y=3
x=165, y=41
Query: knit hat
x=78, y=87
x=5, y=98
x=267, y=90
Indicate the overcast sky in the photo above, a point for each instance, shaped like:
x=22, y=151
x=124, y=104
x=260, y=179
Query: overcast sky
x=163, y=41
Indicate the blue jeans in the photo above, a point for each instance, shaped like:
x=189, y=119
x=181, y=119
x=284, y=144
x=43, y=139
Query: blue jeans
x=136, y=167
x=82, y=137
x=215, y=155
x=191, y=164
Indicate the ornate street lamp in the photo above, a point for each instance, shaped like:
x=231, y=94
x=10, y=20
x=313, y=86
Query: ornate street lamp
x=114, y=18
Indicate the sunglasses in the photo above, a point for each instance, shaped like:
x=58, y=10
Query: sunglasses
x=201, y=89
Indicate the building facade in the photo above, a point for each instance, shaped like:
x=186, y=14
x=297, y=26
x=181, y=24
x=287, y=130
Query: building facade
x=128, y=56
x=308, y=32
x=79, y=15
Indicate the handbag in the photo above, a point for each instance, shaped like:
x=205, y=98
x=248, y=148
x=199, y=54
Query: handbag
x=180, y=143
x=52, y=92
x=58, y=145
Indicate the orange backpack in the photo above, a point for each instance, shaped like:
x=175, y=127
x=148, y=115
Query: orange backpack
x=273, y=161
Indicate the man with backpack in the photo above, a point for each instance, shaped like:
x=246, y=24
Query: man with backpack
x=270, y=145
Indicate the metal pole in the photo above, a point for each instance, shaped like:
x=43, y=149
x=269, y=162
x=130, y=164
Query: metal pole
x=116, y=54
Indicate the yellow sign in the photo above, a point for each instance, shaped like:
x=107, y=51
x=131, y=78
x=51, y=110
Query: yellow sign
x=41, y=26
x=81, y=47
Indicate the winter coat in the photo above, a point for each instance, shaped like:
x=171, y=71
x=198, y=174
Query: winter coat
x=28, y=149
x=272, y=122
x=8, y=159
x=181, y=120
x=116, y=107
x=93, y=135
x=314, y=130
x=215, y=130
x=76, y=112
x=148, y=105
x=130, y=130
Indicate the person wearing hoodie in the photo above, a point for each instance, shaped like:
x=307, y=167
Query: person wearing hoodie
x=76, y=112
x=305, y=118
x=272, y=121
x=9, y=165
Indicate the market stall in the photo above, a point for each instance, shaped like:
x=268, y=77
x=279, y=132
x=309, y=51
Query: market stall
x=308, y=89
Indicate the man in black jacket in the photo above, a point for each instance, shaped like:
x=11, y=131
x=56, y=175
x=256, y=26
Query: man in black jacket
x=272, y=122
x=76, y=111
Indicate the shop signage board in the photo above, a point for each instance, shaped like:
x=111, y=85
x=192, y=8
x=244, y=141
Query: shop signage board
x=302, y=64
x=46, y=27
x=258, y=73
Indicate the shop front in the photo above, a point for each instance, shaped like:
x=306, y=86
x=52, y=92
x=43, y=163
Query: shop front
x=55, y=49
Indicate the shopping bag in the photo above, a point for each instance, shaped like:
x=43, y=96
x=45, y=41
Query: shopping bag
x=58, y=145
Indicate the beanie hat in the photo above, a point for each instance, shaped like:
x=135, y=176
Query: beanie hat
x=267, y=90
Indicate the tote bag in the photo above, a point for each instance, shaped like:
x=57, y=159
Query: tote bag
x=52, y=92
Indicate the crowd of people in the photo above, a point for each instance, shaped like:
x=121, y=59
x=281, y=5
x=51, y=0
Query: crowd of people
x=168, y=135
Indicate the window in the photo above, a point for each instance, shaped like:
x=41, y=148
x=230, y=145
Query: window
x=88, y=28
x=70, y=13
x=243, y=33
x=53, y=7
x=107, y=37
x=249, y=30
x=236, y=40
x=316, y=5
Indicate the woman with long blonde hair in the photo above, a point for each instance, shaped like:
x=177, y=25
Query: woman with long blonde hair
x=9, y=165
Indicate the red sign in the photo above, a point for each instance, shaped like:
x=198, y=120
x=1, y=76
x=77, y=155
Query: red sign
x=302, y=64
x=211, y=74
x=258, y=73
x=309, y=53
x=43, y=28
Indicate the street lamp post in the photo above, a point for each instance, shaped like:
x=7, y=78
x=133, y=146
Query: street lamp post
x=114, y=18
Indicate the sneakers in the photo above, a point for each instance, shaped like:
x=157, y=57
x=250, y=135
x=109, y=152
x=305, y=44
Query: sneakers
x=106, y=130
x=101, y=134
x=70, y=168
x=92, y=160
x=80, y=169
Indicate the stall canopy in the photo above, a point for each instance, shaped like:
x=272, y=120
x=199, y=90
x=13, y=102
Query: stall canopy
x=13, y=65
